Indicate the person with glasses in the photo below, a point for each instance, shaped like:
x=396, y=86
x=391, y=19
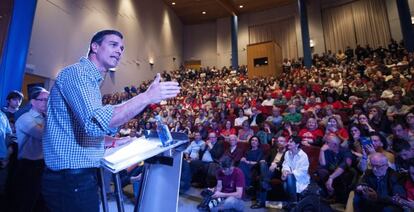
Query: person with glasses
x=379, y=187
x=26, y=195
x=210, y=156
x=335, y=172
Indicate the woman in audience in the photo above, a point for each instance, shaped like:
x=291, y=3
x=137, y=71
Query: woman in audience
x=265, y=133
x=249, y=162
x=240, y=119
x=245, y=132
x=364, y=124
x=378, y=120
x=335, y=127
x=312, y=134
x=227, y=131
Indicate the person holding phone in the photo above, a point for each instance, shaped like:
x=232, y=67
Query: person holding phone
x=379, y=188
x=372, y=144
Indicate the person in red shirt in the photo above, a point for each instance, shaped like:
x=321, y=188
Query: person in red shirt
x=334, y=127
x=312, y=134
x=227, y=131
x=230, y=186
x=331, y=101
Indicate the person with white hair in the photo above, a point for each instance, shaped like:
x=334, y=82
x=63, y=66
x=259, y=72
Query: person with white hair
x=379, y=188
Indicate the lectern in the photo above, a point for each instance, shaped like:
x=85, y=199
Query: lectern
x=161, y=177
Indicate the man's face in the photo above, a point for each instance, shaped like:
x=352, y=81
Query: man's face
x=40, y=103
x=109, y=52
x=276, y=111
x=233, y=140
x=399, y=131
x=406, y=154
x=197, y=136
x=291, y=145
x=376, y=141
x=212, y=137
x=410, y=119
x=379, y=167
x=333, y=144
x=311, y=124
x=228, y=171
x=15, y=103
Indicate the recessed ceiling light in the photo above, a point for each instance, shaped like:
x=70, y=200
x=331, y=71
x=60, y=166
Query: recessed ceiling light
x=173, y=3
x=204, y=12
x=241, y=6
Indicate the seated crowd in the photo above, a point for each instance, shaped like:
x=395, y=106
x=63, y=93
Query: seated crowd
x=346, y=126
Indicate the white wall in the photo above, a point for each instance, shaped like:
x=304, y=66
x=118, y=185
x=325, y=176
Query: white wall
x=224, y=42
x=394, y=20
x=217, y=50
x=200, y=43
x=315, y=26
x=62, y=31
x=202, y=32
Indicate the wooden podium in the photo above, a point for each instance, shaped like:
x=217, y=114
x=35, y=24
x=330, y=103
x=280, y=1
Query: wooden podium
x=264, y=59
x=160, y=184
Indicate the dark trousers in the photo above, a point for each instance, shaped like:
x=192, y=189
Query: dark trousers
x=249, y=171
x=363, y=204
x=26, y=195
x=71, y=190
x=202, y=172
x=265, y=177
x=342, y=185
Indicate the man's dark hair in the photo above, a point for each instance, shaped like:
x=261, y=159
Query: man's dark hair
x=35, y=92
x=296, y=140
x=382, y=138
x=14, y=95
x=99, y=37
x=411, y=162
x=398, y=122
x=226, y=162
x=398, y=145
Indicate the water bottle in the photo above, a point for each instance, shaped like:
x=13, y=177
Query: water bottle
x=163, y=131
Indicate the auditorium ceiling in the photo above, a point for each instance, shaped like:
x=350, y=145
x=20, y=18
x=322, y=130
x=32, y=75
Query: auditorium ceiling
x=191, y=11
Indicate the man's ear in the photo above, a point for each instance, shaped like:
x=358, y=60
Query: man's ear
x=94, y=47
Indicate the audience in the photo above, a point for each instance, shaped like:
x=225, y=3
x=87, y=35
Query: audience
x=346, y=98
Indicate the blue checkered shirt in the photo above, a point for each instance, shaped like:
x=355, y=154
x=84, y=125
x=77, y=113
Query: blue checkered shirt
x=76, y=119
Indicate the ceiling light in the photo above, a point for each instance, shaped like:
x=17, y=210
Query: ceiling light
x=204, y=12
x=173, y=3
x=241, y=6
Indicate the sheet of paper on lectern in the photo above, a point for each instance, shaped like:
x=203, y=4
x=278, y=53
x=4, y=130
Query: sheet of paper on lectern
x=133, y=148
x=137, y=150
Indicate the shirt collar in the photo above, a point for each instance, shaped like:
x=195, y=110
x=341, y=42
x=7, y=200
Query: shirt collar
x=95, y=73
x=34, y=113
